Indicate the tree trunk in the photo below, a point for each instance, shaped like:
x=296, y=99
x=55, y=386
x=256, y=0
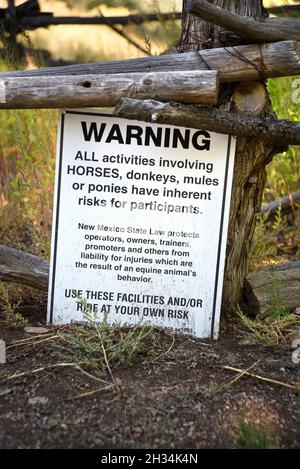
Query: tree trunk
x=251, y=157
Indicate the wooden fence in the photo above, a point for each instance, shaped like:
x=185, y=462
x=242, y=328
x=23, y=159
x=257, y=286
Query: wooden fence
x=27, y=17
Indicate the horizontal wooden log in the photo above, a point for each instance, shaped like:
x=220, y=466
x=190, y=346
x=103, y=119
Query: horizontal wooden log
x=241, y=63
x=107, y=90
x=276, y=286
x=209, y=118
x=287, y=28
x=20, y=267
x=285, y=204
x=263, y=30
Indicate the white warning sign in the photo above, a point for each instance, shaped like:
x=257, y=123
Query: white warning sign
x=140, y=222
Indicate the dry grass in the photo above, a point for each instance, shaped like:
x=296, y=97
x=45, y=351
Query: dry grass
x=272, y=331
x=99, y=346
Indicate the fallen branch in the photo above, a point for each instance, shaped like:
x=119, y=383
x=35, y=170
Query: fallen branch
x=107, y=90
x=21, y=267
x=209, y=118
x=284, y=204
x=242, y=63
x=267, y=30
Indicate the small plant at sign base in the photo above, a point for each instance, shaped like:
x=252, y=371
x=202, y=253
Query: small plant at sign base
x=252, y=436
x=10, y=300
x=100, y=346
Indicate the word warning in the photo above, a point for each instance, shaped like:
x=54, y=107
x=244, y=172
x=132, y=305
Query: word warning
x=140, y=223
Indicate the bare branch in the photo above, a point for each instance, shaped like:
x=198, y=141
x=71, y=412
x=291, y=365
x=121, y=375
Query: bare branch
x=208, y=118
x=264, y=30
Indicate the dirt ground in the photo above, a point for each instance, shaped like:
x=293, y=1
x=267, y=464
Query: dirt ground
x=170, y=397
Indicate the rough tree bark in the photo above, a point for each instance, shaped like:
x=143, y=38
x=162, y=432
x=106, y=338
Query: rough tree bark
x=251, y=157
x=209, y=118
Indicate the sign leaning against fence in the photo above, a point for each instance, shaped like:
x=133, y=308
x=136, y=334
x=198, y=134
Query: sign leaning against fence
x=140, y=223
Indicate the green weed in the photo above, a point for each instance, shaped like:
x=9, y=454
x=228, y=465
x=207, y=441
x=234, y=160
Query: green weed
x=100, y=346
x=284, y=171
x=10, y=300
x=277, y=306
x=253, y=436
x=26, y=189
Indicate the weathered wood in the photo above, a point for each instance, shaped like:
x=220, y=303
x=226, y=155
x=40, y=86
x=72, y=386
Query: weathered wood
x=285, y=204
x=242, y=63
x=277, y=286
x=264, y=30
x=210, y=118
x=198, y=34
x=250, y=98
x=104, y=90
x=20, y=267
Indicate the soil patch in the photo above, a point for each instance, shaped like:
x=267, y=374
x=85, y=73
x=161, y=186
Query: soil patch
x=170, y=397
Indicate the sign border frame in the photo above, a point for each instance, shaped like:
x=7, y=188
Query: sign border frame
x=56, y=213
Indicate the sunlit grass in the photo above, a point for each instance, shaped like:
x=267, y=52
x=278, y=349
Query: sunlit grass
x=84, y=43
